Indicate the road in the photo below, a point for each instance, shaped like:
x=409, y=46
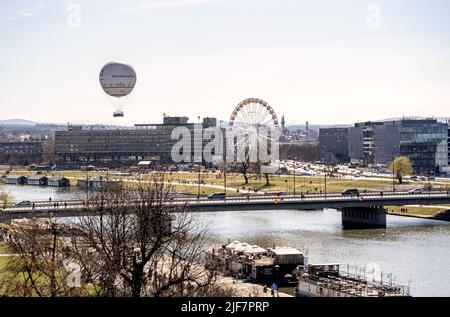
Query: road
x=257, y=202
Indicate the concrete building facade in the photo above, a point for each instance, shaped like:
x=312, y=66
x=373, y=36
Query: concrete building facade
x=424, y=141
x=151, y=142
x=356, y=144
x=362, y=145
x=386, y=142
x=28, y=148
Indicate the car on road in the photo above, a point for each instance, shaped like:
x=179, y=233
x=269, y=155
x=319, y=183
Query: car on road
x=25, y=203
x=217, y=196
x=350, y=192
x=416, y=191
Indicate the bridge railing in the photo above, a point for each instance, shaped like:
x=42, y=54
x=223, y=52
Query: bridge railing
x=63, y=204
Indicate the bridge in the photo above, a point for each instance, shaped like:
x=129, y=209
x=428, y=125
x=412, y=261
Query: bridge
x=358, y=211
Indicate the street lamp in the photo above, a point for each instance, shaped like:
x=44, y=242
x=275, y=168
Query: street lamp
x=225, y=177
x=276, y=270
x=393, y=175
x=429, y=181
x=295, y=165
x=87, y=184
x=198, y=190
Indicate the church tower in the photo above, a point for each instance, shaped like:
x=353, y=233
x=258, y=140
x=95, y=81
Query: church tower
x=283, y=124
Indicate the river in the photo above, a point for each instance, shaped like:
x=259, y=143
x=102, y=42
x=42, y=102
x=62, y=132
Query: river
x=410, y=249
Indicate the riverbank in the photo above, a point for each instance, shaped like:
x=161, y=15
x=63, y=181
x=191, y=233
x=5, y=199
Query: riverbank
x=243, y=288
x=240, y=288
x=212, y=181
x=421, y=212
x=320, y=236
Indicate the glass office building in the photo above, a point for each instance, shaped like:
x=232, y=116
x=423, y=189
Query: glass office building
x=334, y=145
x=425, y=142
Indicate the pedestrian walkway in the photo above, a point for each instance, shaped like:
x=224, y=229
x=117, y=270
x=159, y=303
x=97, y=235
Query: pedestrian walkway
x=247, y=289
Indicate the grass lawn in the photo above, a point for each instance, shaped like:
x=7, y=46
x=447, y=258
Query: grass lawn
x=278, y=183
x=283, y=183
x=194, y=190
x=3, y=248
x=287, y=290
x=416, y=211
x=309, y=184
x=5, y=273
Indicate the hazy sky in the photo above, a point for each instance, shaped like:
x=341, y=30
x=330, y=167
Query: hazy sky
x=321, y=61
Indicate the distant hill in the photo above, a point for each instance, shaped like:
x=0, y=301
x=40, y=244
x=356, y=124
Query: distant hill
x=21, y=125
x=17, y=122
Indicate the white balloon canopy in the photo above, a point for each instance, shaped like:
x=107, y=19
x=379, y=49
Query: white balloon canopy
x=118, y=80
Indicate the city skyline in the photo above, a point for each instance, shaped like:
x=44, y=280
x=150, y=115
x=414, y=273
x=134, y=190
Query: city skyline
x=317, y=125
x=311, y=60
x=256, y=151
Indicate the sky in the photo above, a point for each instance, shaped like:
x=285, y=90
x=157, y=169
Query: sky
x=326, y=62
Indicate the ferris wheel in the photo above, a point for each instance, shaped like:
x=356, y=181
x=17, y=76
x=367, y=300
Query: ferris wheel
x=253, y=112
x=250, y=121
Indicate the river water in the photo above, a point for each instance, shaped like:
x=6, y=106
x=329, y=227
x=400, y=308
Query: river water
x=36, y=193
x=411, y=249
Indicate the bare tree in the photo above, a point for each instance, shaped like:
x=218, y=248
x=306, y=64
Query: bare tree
x=244, y=165
x=39, y=263
x=5, y=199
x=142, y=243
x=133, y=241
x=266, y=175
x=244, y=168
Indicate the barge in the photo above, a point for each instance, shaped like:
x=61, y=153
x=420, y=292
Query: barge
x=325, y=280
x=254, y=263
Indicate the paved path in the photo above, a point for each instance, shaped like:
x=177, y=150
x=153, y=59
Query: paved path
x=246, y=289
x=431, y=206
x=221, y=187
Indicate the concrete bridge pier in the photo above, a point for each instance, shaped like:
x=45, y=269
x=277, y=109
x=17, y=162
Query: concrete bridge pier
x=363, y=217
